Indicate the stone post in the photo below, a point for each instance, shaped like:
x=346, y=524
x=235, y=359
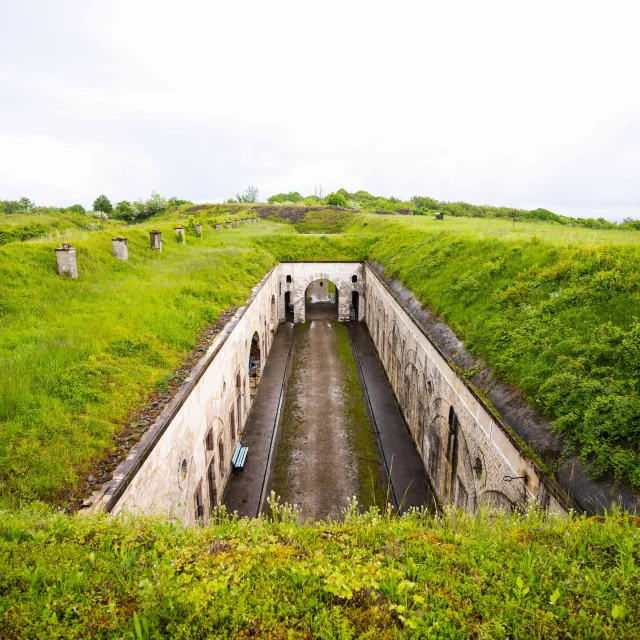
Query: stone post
x=228, y=224
x=218, y=226
x=120, y=249
x=199, y=228
x=243, y=221
x=179, y=233
x=236, y=223
x=155, y=237
x=66, y=259
x=258, y=219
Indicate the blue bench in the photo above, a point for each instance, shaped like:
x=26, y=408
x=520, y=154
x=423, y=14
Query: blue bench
x=239, y=456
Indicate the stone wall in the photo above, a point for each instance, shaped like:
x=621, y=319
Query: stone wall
x=466, y=448
x=295, y=277
x=184, y=460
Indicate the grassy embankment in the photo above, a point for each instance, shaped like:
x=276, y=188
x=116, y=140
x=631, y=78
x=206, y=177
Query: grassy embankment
x=484, y=576
x=77, y=357
x=20, y=227
x=553, y=309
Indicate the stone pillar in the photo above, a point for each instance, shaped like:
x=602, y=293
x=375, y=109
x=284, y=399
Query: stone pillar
x=66, y=259
x=228, y=224
x=258, y=219
x=199, y=228
x=155, y=237
x=218, y=226
x=243, y=221
x=236, y=223
x=120, y=250
x=179, y=234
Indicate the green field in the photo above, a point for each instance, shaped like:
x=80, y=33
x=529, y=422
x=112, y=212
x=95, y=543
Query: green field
x=492, y=575
x=553, y=309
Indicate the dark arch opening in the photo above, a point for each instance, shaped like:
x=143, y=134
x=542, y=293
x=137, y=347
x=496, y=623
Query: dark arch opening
x=321, y=300
x=254, y=356
x=288, y=307
x=354, y=309
x=274, y=315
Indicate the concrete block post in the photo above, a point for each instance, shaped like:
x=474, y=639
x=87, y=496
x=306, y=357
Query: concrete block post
x=236, y=223
x=228, y=225
x=155, y=238
x=199, y=228
x=120, y=249
x=66, y=259
x=218, y=226
x=243, y=221
x=258, y=219
x=179, y=234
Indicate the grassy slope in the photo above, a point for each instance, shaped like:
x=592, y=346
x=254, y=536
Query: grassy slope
x=18, y=228
x=555, y=310
x=77, y=357
x=483, y=576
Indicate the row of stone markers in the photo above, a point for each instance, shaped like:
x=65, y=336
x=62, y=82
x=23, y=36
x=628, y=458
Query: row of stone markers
x=66, y=253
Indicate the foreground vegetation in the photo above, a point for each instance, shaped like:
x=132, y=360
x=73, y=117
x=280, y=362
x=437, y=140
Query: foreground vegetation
x=371, y=576
x=554, y=310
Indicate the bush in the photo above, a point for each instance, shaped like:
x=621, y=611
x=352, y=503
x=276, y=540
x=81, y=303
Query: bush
x=76, y=208
x=336, y=200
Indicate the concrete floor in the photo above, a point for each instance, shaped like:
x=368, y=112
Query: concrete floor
x=408, y=478
x=322, y=473
x=316, y=468
x=245, y=489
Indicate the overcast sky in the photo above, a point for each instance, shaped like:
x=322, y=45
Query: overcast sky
x=506, y=103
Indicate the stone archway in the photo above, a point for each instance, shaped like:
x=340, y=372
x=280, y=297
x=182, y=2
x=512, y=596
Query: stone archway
x=321, y=300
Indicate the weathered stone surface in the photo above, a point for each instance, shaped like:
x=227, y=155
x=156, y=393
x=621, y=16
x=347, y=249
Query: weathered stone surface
x=155, y=239
x=467, y=465
x=174, y=460
x=120, y=249
x=67, y=261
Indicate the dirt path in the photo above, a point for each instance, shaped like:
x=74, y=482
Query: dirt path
x=317, y=465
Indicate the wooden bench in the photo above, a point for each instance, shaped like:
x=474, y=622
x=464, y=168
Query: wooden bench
x=239, y=456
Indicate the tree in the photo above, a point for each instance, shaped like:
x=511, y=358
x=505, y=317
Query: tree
x=76, y=208
x=125, y=211
x=103, y=205
x=250, y=195
x=336, y=200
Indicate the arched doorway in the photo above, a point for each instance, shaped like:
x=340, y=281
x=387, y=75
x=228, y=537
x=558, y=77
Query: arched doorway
x=288, y=307
x=354, y=309
x=255, y=365
x=274, y=313
x=321, y=300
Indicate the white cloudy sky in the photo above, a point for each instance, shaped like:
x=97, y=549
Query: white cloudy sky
x=526, y=104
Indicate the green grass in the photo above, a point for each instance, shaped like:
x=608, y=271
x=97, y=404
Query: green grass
x=21, y=227
x=555, y=310
x=491, y=575
x=78, y=357
x=361, y=434
x=328, y=221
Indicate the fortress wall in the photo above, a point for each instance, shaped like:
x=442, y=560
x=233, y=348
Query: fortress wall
x=166, y=469
x=466, y=448
x=302, y=274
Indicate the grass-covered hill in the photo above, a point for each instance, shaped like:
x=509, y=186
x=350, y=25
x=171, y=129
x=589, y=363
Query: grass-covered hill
x=492, y=575
x=553, y=309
